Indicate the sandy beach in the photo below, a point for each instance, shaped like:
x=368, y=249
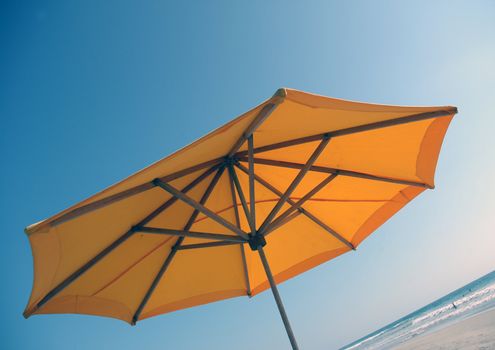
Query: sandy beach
x=477, y=332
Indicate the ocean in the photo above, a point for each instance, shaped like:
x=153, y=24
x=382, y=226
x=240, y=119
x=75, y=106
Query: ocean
x=464, y=302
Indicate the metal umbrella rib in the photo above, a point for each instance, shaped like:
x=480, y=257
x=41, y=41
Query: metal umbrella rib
x=242, y=198
x=238, y=224
x=323, y=169
x=207, y=245
x=352, y=130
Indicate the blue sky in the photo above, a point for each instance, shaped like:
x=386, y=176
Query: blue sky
x=92, y=91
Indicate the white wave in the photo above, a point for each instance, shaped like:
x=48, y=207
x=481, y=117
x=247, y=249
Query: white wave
x=466, y=299
x=409, y=328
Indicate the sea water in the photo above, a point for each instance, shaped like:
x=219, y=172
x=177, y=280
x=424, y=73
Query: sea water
x=467, y=301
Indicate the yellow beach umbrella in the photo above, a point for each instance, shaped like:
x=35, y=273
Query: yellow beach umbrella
x=292, y=183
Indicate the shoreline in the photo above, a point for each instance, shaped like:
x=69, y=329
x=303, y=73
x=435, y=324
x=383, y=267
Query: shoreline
x=475, y=332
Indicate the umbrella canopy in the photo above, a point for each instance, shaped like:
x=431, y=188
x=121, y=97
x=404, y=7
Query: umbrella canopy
x=298, y=180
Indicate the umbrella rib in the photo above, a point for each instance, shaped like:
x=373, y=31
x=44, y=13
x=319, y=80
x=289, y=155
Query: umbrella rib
x=301, y=201
x=240, y=192
x=258, y=120
x=238, y=224
x=176, y=246
x=278, y=223
x=101, y=203
x=206, y=245
x=62, y=285
x=304, y=211
x=192, y=234
x=351, y=130
x=295, y=182
x=328, y=170
x=252, y=199
x=328, y=229
x=188, y=200
x=157, y=279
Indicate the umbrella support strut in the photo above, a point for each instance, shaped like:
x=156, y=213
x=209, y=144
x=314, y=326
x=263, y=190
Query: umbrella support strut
x=278, y=300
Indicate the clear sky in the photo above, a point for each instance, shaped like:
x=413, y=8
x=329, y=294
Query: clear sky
x=92, y=91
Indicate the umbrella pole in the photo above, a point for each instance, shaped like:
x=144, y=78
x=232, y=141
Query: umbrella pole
x=276, y=295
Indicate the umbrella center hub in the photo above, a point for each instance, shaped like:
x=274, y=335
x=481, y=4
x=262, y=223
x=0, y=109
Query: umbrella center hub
x=257, y=240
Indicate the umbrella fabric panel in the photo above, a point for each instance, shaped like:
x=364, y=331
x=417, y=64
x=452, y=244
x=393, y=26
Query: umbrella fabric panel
x=430, y=149
x=133, y=281
x=386, y=211
x=314, y=114
x=407, y=152
x=346, y=188
x=349, y=205
x=198, y=276
x=316, y=101
x=295, y=269
x=62, y=249
x=116, y=285
x=397, y=152
x=72, y=244
x=344, y=217
x=292, y=249
x=205, y=224
x=220, y=202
